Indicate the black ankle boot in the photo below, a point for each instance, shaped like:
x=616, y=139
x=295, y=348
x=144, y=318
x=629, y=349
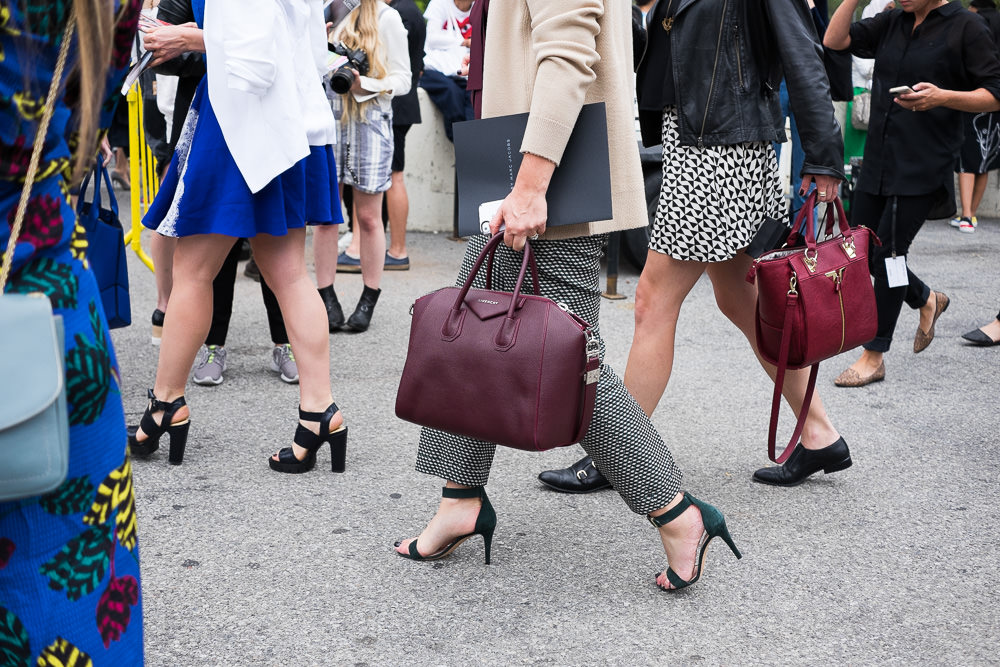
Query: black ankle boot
x=334, y=313
x=804, y=462
x=361, y=319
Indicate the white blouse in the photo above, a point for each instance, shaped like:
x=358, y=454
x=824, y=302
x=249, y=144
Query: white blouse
x=264, y=82
x=397, y=81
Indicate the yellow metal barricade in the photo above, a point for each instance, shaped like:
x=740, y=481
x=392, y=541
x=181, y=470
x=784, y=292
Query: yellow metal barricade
x=142, y=174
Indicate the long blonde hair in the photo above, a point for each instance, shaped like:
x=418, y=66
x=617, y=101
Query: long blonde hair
x=359, y=30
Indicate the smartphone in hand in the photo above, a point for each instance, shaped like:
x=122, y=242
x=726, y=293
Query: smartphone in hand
x=901, y=90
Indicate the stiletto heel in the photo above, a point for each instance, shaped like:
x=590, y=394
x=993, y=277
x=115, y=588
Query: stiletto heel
x=311, y=442
x=715, y=526
x=486, y=524
x=178, y=432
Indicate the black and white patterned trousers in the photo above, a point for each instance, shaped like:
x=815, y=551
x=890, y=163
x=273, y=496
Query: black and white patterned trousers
x=622, y=441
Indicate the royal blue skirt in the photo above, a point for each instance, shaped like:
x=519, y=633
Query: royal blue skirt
x=204, y=192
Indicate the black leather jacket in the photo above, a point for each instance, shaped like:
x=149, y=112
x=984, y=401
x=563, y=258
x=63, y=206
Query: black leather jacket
x=728, y=60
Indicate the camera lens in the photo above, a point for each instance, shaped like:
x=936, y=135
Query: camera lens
x=342, y=80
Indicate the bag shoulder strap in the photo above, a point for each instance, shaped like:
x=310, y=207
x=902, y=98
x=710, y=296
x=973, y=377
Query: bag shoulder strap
x=36, y=153
x=791, y=305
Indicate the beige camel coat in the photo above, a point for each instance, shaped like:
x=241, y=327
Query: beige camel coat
x=550, y=57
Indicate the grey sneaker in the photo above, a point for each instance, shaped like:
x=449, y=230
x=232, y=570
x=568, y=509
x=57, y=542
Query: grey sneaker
x=283, y=362
x=209, y=365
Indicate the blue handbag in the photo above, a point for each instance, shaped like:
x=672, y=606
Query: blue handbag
x=106, y=247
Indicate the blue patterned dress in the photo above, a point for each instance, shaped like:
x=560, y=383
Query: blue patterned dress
x=69, y=560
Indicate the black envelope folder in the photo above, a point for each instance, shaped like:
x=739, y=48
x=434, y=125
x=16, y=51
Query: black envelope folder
x=488, y=156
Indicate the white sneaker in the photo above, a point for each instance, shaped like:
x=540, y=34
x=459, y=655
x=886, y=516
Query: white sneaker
x=955, y=222
x=967, y=225
x=209, y=365
x=283, y=362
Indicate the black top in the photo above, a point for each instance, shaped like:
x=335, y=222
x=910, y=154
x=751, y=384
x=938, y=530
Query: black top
x=913, y=152
x=992, y=18
x=406, y=108
x=658, y=83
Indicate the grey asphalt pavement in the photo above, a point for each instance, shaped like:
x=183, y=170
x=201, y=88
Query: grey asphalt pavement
x=894, y=560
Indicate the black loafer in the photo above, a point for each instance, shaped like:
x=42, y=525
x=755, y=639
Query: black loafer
x=581, y=477
x=804, y=462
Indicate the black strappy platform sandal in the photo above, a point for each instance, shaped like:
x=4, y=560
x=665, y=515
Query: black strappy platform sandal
x=311, y=442
x=486, y=524
x=715, y=526
x=178, y=431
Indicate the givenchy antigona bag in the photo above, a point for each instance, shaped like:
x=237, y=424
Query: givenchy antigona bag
x=515, y=369
x=814, y=301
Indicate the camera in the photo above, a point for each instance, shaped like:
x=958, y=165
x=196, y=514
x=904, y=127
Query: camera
x=343, y=78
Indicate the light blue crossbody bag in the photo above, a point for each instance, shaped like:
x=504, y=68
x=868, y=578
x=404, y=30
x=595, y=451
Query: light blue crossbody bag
x=34, y=425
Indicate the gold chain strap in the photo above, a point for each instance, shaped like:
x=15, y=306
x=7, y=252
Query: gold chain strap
x=36, y=154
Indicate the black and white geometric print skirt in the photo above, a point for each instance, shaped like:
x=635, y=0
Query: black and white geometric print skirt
x=713, y=199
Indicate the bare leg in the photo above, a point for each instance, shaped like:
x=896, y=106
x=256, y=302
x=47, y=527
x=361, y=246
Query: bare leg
x=282, y=264
x=736, y=299
x=197, y=260
x=354, y=247
x=978, y=190
x=161, y=248
x=663, y=286
x=965, y=188
x=368, y=221
x=399, y=210
x=324, y=254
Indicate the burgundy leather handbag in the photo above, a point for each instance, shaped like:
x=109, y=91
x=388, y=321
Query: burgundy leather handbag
x=516, y=369
x=813, y=302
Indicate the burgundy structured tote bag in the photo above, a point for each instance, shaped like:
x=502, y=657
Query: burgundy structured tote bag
x=516, y=369
x=814, y=301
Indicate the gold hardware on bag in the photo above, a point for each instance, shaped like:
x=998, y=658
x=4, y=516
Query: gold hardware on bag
x=837, y=277
x=810, y=261
x=793, y=283
x=849, y=248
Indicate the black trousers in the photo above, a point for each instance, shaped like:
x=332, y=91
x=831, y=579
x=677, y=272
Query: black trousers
x=222, y=303
x=876, y=212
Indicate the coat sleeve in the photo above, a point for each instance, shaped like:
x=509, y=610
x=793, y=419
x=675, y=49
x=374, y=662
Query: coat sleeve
x=808, y=87
x=248, y=42
x=564, y=41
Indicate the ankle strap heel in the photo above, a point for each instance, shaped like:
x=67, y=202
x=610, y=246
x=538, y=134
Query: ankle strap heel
x=177, y=431
x=311, y=442
x=474, y=492
x=486, y=524
x=714, y=526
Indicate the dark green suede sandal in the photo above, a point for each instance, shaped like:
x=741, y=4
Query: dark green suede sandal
x=715, y=526
x=486, y=523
